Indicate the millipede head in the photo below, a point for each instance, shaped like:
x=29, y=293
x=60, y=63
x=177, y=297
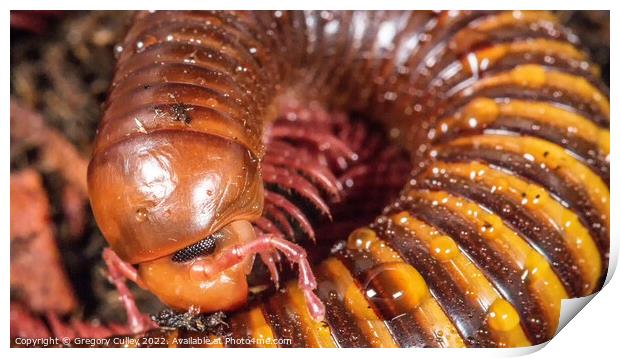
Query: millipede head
x=157, y=193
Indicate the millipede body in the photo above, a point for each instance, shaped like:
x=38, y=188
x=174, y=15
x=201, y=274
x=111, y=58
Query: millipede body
x=505, y=120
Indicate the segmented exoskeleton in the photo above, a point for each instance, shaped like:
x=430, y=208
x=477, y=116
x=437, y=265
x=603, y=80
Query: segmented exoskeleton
x=506, y=121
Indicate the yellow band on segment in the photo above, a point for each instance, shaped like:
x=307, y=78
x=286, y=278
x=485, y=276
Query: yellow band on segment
x=580, y=86
x=551, y=156
x=317, y=334
x=373, y=327
x=406, y=288
x=538, y=202
x=536, y=76
x=488, y=57
x=478, y=289
x=541, y=45
x=535, y=269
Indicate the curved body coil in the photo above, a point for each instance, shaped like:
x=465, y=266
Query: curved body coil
x=506, y=121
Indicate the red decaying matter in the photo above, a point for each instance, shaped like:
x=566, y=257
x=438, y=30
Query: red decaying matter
x=498, y=110
x=37, y=275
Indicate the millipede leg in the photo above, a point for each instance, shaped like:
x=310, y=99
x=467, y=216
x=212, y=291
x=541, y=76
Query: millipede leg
x=118, y=272
x=270, y=259
x=266, y=243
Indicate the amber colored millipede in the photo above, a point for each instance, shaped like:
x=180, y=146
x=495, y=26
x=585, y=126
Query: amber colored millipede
x=506, y=121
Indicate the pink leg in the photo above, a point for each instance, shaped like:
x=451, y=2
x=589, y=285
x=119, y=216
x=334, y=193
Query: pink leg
x=269, y=259
x=265, y=243
x=118, y=272
x=283, y=203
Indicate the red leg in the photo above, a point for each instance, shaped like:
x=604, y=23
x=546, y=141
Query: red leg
x=265, y=243
x=118, y=272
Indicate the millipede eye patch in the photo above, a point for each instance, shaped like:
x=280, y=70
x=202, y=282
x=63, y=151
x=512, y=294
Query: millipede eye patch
x=203, y=247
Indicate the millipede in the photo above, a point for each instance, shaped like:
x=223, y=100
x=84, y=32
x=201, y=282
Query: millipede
x=505, y=213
